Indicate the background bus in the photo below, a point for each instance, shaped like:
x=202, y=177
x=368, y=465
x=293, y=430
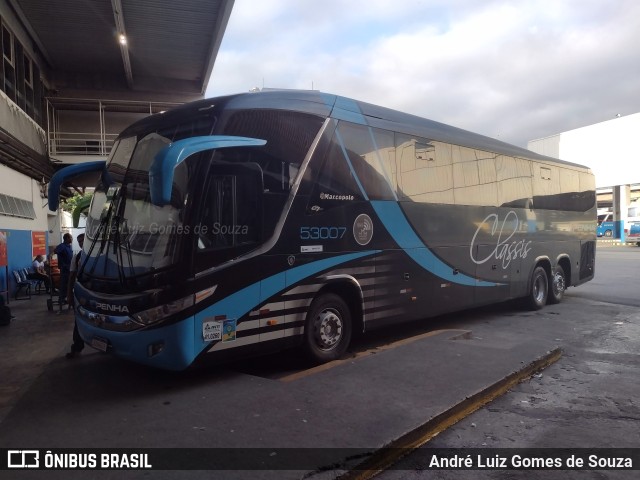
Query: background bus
x=606, y=226
x=276, y=219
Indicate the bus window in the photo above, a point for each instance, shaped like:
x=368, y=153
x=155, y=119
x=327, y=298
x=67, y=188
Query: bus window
x=360, y=164
x=369, y=153
x=336, y=183
x=514, y=181
x=474, y=177
x=289, y=136
x=425, y=170
x=230, y=223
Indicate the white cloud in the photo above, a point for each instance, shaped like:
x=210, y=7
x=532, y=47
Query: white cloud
x=513, y=70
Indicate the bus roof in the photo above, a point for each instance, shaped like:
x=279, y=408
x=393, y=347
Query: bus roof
x=328, y=105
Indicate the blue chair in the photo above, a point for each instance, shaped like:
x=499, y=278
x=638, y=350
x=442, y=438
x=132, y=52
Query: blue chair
x=20, y=284
x=36, y=284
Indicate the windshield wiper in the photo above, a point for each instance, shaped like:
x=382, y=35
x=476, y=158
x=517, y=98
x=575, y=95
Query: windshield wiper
x=119, y=244
x=100, y=234
x=117, y=239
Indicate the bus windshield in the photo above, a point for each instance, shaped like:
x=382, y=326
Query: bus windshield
x=127, y=234
x=224, y=202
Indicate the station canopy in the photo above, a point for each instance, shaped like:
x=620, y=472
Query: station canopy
x=161, y=45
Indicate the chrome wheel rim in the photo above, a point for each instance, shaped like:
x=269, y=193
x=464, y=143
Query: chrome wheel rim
x=539, y=287
x=558, y=284
x=327, y=329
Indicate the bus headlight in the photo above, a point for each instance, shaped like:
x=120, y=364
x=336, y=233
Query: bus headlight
x=156, y=314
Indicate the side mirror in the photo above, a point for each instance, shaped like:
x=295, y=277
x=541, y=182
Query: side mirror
x=84, y=173
x=165, y=162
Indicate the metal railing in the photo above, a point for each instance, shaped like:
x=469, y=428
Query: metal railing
x=97, y=141
x=67, y=143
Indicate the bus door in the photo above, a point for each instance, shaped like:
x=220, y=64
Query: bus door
x=230, y=226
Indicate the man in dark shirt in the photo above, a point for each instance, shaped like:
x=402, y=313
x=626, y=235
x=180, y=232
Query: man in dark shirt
x=65, y=256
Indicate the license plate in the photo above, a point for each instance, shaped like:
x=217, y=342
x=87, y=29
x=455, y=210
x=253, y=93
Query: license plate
x=99, y=344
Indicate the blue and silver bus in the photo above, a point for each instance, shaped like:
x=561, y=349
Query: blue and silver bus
x=606, y=226
x=297, y=218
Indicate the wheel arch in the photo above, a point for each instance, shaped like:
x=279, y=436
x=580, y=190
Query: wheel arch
x=349, y=289
x=565, y=262
x=541, y=261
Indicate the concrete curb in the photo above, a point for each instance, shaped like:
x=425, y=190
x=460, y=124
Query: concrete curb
x=383, y=458
x=616, y=243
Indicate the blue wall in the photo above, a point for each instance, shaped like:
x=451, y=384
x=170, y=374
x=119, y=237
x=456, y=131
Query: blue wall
x=19, y=251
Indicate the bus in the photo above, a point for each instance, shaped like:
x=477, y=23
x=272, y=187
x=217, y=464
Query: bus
x=606, y=226
x=630, y=226
x=261, y=221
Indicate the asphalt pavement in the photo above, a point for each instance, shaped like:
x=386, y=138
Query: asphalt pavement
x=587, y=400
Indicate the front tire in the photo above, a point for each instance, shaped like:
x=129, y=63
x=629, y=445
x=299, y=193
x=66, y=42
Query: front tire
x=327, y=330
x=539, y=289
x=557, y=286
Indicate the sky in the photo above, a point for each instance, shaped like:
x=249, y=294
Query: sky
x=512, y=70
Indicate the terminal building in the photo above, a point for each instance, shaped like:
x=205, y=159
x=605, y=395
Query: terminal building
x=72, y=76
x=609, y=148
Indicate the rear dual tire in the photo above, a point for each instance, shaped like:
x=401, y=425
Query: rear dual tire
x=539, y=289
x=557, y=286
x=545, y=290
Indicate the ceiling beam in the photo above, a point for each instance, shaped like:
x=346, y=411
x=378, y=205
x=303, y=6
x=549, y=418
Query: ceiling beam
x=118, y=15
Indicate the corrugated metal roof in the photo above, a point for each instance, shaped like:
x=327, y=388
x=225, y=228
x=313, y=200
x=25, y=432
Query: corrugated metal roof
x=174, y=41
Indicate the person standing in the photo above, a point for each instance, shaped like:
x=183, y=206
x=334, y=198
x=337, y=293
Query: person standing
x=65, y=256
x=78, y=343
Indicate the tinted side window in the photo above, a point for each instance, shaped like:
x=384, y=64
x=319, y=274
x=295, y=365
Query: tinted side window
x=289, y=137
x=425, y=171
x=370, y=153
x=546, y=186
x=561, y=188
x=231, y=218
x=514, y=181
x=336, y=182
x=474, y=177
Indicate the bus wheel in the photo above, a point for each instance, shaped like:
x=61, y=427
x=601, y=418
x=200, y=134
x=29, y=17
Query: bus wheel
x=557, y=286
x=328, y=328
x=539, y=289
x=608, y=233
